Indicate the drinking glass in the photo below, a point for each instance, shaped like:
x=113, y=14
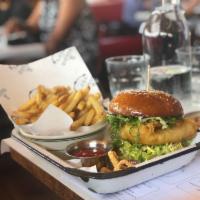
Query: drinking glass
x=194, y=56
x=127, y=72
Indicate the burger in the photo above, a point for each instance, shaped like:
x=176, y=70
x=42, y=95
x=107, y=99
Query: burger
x=146, y=124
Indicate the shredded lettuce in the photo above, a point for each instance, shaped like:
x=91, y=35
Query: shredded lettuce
x=118, y=121
x=141, y=153
x=165, y=122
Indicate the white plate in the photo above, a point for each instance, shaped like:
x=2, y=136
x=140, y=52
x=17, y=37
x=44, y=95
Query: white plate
x=60, y=145
x=82, y=131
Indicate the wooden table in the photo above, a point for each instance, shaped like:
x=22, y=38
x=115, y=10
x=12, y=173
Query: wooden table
x=61, y=190
x=64, y=185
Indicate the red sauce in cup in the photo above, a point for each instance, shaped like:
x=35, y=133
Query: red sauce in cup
x=88, y=152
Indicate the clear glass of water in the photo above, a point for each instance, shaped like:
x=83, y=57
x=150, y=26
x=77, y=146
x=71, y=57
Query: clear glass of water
x=174, y=79
x=194, y=56
x=127, y=72
x=174, y=76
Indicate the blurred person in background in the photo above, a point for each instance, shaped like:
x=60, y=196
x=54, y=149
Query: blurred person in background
x=14, y=8
x=190, y=5
x=9, y=9
x=60, y=24
x=131, y=22
x=192, y=11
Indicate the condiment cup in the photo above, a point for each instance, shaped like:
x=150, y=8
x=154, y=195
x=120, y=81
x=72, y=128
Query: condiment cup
x=90, y=152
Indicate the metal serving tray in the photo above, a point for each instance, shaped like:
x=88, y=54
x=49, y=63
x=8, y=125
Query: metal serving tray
x=118, y=180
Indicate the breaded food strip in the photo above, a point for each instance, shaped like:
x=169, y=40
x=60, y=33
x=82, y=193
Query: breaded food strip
x=148, y=134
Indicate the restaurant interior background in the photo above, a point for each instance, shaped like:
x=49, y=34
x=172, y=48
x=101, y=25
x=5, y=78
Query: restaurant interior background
x=117, y=23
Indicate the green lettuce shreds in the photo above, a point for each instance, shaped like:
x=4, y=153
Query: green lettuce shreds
x=117, y=121
x=141, y=153
x=165, y=122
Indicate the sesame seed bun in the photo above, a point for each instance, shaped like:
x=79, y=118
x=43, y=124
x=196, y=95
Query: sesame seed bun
x=145, y=103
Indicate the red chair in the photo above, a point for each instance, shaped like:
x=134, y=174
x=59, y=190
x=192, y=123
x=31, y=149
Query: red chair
x=120, y=45
x=107, y=11
x=112, y=45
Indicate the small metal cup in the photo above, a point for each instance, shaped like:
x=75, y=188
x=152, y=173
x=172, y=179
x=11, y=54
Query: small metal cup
x=92, y=145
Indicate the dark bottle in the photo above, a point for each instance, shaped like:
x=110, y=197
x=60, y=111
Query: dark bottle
x=164, y=34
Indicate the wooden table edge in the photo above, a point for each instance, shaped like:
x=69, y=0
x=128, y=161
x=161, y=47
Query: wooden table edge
x=54, y=185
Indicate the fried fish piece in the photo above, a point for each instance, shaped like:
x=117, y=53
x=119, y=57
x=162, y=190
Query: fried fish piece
x=148, y=133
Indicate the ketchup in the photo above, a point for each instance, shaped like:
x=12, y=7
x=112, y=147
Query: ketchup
x=88, y=152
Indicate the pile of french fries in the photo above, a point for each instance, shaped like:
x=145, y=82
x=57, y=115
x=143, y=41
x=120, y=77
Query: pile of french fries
x=86, y=109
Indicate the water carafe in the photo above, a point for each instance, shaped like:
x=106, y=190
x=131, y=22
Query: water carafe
x=164, y=34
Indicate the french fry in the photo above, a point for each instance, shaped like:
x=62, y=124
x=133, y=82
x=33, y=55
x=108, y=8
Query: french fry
x=63, y=98
x=97, y=96
x=95, y=104
x=33, y=111
x=113, y=158
x=69, y=99
x=23, y=115
x=89, y=117
x=34, y=118
x=59, y=90
x=85, y=91
x=27, y=105
x=79, y=122
x=95, y=119
x=60, y=100
x=105, y=170
x=38, y=98
x=21, y=121
x=41, y=94
x=98, y=118
x=118, y=164
x=76, y=124
x=123, y=164
x=82, y=112
x=55, y=102
x=43, y=91
x=43, y=105
x=72, y=115
x=81, y=105
x=51, y=99
x=77, y=97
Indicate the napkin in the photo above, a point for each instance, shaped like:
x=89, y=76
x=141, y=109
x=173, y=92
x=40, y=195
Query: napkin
x=53, y=121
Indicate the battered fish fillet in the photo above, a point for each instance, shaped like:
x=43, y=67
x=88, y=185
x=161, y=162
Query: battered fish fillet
x=150, y=134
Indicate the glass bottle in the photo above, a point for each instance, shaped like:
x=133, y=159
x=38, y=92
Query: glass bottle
x=164, y=34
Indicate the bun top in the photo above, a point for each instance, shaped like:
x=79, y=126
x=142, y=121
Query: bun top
x=151, y=103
